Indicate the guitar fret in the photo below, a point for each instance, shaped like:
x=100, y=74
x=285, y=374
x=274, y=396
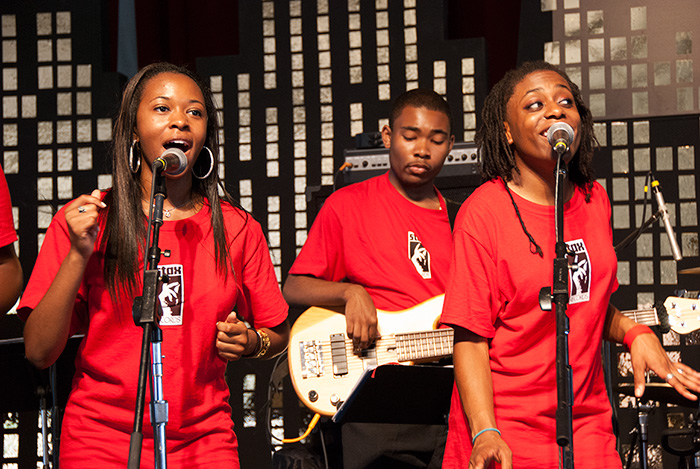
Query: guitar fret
x=648, y=317
x=426, y=344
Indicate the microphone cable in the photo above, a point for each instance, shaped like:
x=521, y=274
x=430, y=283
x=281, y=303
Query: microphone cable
x=268, y=405
x=634, y=236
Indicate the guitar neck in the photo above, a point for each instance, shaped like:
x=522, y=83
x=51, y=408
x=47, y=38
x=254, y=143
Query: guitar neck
x=648, y=317
x=414, y=346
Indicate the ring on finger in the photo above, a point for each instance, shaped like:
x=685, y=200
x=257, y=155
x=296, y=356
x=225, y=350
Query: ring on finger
x=81, y=209
x=669, y=376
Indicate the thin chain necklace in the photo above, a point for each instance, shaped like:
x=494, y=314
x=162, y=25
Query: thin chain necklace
x=167, y=212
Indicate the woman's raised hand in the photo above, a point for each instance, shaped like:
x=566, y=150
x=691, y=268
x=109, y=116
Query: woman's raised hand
x=81, y=216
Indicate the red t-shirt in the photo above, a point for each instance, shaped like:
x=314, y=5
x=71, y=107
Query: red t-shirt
x=369, y=234
x=7, y=225
x=100, y=411
x=493, y=291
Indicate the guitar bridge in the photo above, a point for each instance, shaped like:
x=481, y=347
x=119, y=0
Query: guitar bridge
x=311, y=357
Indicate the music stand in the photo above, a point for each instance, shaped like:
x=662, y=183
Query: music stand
x=396, y=414
x=400, y=394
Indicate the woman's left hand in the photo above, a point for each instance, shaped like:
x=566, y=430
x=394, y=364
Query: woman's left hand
x=648, y=354
x=232, y=338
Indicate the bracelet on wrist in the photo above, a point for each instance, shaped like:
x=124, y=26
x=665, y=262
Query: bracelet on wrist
x=485, y=430
x=263, y=345
x=633, y=332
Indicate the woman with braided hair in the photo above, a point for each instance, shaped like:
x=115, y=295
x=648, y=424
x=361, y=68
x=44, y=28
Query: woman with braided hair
x=505, y=396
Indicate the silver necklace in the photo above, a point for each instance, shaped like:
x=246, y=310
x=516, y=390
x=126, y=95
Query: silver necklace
x=167, y=212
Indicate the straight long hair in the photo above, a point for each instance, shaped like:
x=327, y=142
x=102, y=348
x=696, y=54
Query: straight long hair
x=123, y=241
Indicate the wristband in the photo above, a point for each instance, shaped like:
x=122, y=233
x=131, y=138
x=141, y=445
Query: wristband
x=485, y=430
x=633, y=332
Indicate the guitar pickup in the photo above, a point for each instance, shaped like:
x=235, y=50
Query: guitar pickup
x=338, y=354
x=311, y=357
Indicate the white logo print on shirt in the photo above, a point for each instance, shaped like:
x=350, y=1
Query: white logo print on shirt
x=419, y=255
x=581, y=276
x=171, y=294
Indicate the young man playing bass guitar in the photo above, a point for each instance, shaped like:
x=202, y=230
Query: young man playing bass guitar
x=385, y=243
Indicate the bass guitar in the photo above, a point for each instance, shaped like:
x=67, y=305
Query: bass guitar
x=324, y=368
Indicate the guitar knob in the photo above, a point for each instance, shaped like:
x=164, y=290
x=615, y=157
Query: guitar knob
x=335, y=399
x=313, y=396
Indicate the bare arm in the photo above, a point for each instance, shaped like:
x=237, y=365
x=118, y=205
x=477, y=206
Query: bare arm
x=473, y=377
x=360, y=312
x=47, y=328
x=10, y=277
x=648, y=354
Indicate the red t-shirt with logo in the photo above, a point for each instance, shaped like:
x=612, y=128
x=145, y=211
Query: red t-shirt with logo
x=493, y=291
x=369, y=234
x=100, y=411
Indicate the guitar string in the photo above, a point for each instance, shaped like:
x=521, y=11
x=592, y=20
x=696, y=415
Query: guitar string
x=414, y=344
x=414, y=354
x=402, y=347
x=418, y=344
x=431, y=335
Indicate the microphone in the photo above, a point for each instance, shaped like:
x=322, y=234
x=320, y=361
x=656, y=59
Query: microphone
x=172, y=161
x=675, y=249
x=560, y=136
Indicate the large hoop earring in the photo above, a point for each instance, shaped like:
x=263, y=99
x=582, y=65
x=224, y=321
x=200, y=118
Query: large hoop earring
x=211, y=164
x=134, y=167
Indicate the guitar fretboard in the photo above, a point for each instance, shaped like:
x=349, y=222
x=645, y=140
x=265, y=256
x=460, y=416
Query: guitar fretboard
x=424, y=345
x=647, y=317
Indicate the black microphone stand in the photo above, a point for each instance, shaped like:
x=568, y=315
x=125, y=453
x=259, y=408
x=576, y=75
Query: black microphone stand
x=147, y=312
x=559, y=292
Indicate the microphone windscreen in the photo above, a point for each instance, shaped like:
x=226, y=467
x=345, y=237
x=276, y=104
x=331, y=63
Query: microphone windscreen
x=559, y=127
x=175, y=161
